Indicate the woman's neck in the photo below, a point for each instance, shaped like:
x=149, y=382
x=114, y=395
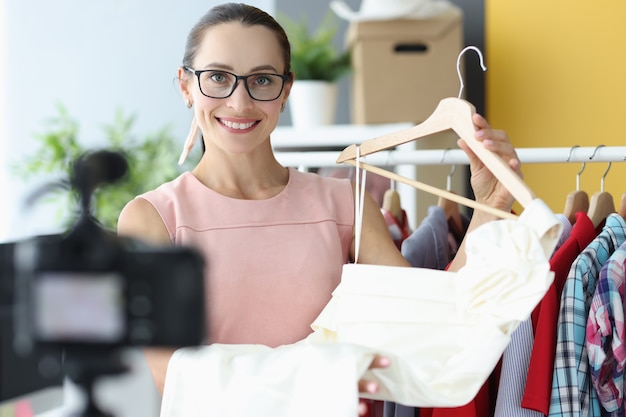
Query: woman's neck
x=242, y=176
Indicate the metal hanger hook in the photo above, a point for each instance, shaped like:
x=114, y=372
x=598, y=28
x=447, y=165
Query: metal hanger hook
x=603, y=177
x=571, y=151
x=451, y=173
x=458, y=65
x=595, y=151
x=582, y=168
x=449, y=177
x=443, y=157
x=605, y=172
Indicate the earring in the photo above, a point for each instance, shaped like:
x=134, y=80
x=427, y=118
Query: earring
x=188, y=103
x=282, y=107
x=190, y=141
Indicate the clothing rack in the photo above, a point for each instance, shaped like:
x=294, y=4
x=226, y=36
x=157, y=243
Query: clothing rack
x=305, y=160
x=404, y=160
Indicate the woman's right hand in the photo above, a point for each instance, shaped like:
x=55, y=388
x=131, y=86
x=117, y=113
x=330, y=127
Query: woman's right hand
x=371, y=387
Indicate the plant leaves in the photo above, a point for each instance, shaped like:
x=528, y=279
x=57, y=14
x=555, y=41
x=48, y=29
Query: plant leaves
x=313, y=56
x=151, y=160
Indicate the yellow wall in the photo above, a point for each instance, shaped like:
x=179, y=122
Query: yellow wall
x=556, y=78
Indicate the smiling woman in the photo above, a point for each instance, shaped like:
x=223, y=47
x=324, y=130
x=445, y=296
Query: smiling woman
x=274, y=239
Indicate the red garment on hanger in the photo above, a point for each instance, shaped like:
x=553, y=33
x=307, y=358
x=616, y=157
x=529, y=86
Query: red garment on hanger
x=398, y=228
x=545, y=317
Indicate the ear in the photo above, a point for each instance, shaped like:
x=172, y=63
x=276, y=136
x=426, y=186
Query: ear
x=289, y=84
x=183, y=84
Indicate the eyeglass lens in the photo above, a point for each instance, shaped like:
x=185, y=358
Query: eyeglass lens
x=219, y=84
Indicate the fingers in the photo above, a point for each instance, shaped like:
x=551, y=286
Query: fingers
x=480, y=121
x=362, y=408
x=368, y=387
x=371, y=387
x=496, y=141
x=380, y=362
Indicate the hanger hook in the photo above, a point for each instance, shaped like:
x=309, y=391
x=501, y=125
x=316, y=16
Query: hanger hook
x=594, y=151
x=443, y=157
x=571, y=151
x=458, y=65
x=451, y=173
x=582, y=168
x=605, y=172
x=603, y=177
x=449, y=177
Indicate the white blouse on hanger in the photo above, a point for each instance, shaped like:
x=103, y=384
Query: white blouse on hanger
x=444, y=333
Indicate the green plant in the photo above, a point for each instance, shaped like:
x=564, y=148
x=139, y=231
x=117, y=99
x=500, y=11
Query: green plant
x=313, y=56
x=151, y=161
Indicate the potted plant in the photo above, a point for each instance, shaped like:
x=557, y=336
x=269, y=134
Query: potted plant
x=151, y=161
x=318, y=66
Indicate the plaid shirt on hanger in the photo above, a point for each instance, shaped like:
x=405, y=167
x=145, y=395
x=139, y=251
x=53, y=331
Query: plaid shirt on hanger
x=572, y=392
x=606, y=342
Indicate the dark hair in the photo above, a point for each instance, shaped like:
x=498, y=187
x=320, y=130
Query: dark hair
x=235, y=12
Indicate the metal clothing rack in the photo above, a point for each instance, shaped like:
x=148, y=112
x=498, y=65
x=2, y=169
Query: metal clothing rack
x=404, y=161
x=305, y=160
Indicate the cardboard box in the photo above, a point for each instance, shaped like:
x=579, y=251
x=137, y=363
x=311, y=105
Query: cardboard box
x=403, y=68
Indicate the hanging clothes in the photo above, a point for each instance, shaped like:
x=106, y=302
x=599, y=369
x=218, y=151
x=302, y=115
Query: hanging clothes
x=512, y=374
x=398, y=227
x=429, y=245
x=606, y=344
x=538, y=389
x=567, y=229
x=516, y=359
x=572, y=392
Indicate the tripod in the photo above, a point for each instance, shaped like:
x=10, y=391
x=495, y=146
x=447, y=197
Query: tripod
x=86, y=367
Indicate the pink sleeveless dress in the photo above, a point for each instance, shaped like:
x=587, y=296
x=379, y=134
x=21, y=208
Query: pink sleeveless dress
x=271, y=265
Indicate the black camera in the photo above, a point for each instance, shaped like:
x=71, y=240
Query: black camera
x=90, y=287
x=91, y=293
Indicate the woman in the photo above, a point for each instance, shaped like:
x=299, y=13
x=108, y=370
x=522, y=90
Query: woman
x=274, y=239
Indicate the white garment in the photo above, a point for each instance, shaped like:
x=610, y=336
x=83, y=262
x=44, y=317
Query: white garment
x=301, y=379
x=463, y=321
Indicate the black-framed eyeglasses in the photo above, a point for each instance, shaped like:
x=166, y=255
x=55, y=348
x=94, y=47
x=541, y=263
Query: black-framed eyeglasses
x=222, y=84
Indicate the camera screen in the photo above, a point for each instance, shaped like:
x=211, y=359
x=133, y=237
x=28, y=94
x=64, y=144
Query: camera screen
x=82, y=307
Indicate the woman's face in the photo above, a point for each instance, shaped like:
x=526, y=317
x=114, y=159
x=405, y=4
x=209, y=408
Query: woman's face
x=237, y=124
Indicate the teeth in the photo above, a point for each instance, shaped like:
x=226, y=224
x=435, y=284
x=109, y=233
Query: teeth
x=234, y=125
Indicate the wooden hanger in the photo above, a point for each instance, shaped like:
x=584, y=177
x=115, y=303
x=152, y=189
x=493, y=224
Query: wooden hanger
x=451, y=114
x=601, y=204
x=600, y=207
x=622, y=207
x=391, y=203
x=451, y=208
x=576, y=200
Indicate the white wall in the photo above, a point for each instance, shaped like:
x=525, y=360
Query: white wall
x=93, y=57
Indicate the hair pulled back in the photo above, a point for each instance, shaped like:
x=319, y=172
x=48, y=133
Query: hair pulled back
x=235, y=12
